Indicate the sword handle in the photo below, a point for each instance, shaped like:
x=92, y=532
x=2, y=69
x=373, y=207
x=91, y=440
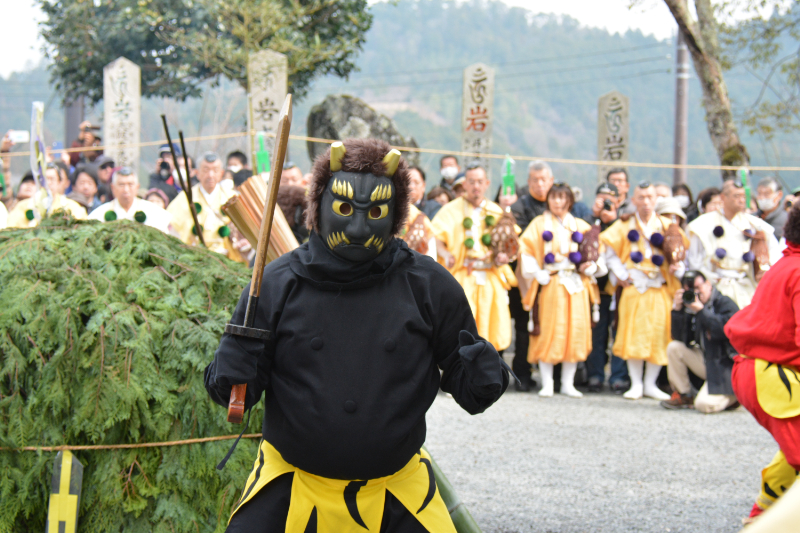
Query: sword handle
x=236, y=404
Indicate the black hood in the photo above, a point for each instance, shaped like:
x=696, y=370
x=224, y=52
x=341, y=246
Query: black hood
x=318, y=265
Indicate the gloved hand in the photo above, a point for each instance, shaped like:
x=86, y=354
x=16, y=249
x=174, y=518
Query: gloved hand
x=543, y=277
x=481, y=364
x=239, y=360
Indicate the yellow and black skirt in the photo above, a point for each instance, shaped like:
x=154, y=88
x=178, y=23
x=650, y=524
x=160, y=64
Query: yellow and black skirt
x=343, y=506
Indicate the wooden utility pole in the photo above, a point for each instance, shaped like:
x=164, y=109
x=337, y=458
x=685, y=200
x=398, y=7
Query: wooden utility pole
x=681, y=153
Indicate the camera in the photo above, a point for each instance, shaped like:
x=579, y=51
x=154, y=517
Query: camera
x=164, y=169
x=607, y=205
x=689, y=296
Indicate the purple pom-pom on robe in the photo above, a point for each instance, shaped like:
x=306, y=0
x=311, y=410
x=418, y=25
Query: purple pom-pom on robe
x=575, y=257
x=547, y=235
x=633, y=235
x=657, y=240
x=658, y=260
x=749, y=257
x=577, y=236
x=719, y=232
x=637, y=257
x=720, y=253
x=549, y=259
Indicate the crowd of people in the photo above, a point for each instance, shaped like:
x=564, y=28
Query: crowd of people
x=667, y=272
x=622, y=307
x=639, y=284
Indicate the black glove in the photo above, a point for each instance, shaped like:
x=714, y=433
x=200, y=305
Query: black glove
x=238, y=360
x=482, y=364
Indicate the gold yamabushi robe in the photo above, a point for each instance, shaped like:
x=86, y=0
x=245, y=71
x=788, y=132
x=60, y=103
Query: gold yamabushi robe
x=485, y=284
x=565, y=316
x=731, y=274
x=23, y=214
x=210, y=217
x=645, y=307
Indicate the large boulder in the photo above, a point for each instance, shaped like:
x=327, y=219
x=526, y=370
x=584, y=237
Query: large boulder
x=341, y=117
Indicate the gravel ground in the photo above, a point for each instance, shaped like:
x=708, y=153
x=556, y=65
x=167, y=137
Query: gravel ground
x=599, y=464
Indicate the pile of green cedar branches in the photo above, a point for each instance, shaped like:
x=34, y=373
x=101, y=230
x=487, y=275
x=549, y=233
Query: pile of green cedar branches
x=105, y=330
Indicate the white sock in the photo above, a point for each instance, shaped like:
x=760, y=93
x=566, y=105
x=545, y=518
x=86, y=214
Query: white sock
x=546, y=373
x=635, y=371
x=568, y=380
x=651, y=390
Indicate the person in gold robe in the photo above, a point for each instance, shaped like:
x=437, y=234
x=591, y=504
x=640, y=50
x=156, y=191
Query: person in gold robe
x=565, y=286
x=28, y=212
x=638, y=265
x=209, y=197
x=462, y=229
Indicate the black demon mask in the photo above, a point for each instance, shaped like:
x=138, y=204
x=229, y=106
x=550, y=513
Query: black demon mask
x=357, y=209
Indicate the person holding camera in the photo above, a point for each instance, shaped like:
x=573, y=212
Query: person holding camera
x=699, y=315
x=86, y=138
x=165, y=178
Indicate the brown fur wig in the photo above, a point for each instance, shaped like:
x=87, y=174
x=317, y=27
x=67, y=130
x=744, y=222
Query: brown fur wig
x=289, y=198
x=363, y=156
x=791, y=231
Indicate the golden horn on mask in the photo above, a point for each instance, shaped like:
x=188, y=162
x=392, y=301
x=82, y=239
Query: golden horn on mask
x=337, y=153
x=391, y=160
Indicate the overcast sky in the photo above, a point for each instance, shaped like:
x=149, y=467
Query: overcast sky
x=21, y=44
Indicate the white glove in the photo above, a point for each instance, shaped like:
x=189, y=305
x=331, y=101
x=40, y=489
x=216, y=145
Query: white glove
x=543, y=277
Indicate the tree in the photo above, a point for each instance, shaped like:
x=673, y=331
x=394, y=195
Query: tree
x=181, y=43
x=702, y=37
x=759, y=43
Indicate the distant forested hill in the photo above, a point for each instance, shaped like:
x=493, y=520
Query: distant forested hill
x=550, y=72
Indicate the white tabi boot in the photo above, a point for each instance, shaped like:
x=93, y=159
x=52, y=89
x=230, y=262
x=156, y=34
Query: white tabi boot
x=635, y=370
x=651, y=390
x=568, y=380
x=546, y=373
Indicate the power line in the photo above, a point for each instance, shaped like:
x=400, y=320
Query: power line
x=588, y=80
x=502, y=76
x=521, y=62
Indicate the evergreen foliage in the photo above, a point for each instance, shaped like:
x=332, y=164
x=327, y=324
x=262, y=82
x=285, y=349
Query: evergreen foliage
x=105, y=330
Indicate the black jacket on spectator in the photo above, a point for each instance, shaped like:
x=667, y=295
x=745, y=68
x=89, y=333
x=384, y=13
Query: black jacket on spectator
x=706, y=330
x=157, y=181
x=429, y=207
x=526, y=208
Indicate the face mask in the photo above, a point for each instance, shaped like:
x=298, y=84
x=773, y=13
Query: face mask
x=235, y=168
x=683, y=201
x=449, y=173
x=357, y=214
x=766, y=204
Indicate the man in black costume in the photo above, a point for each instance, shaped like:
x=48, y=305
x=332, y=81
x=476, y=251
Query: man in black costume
x=361, y=326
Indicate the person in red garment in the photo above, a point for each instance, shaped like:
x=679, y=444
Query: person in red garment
x=766, y=376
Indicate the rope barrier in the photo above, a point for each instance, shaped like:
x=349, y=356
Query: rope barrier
x=590, y=162
x=127, y=446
